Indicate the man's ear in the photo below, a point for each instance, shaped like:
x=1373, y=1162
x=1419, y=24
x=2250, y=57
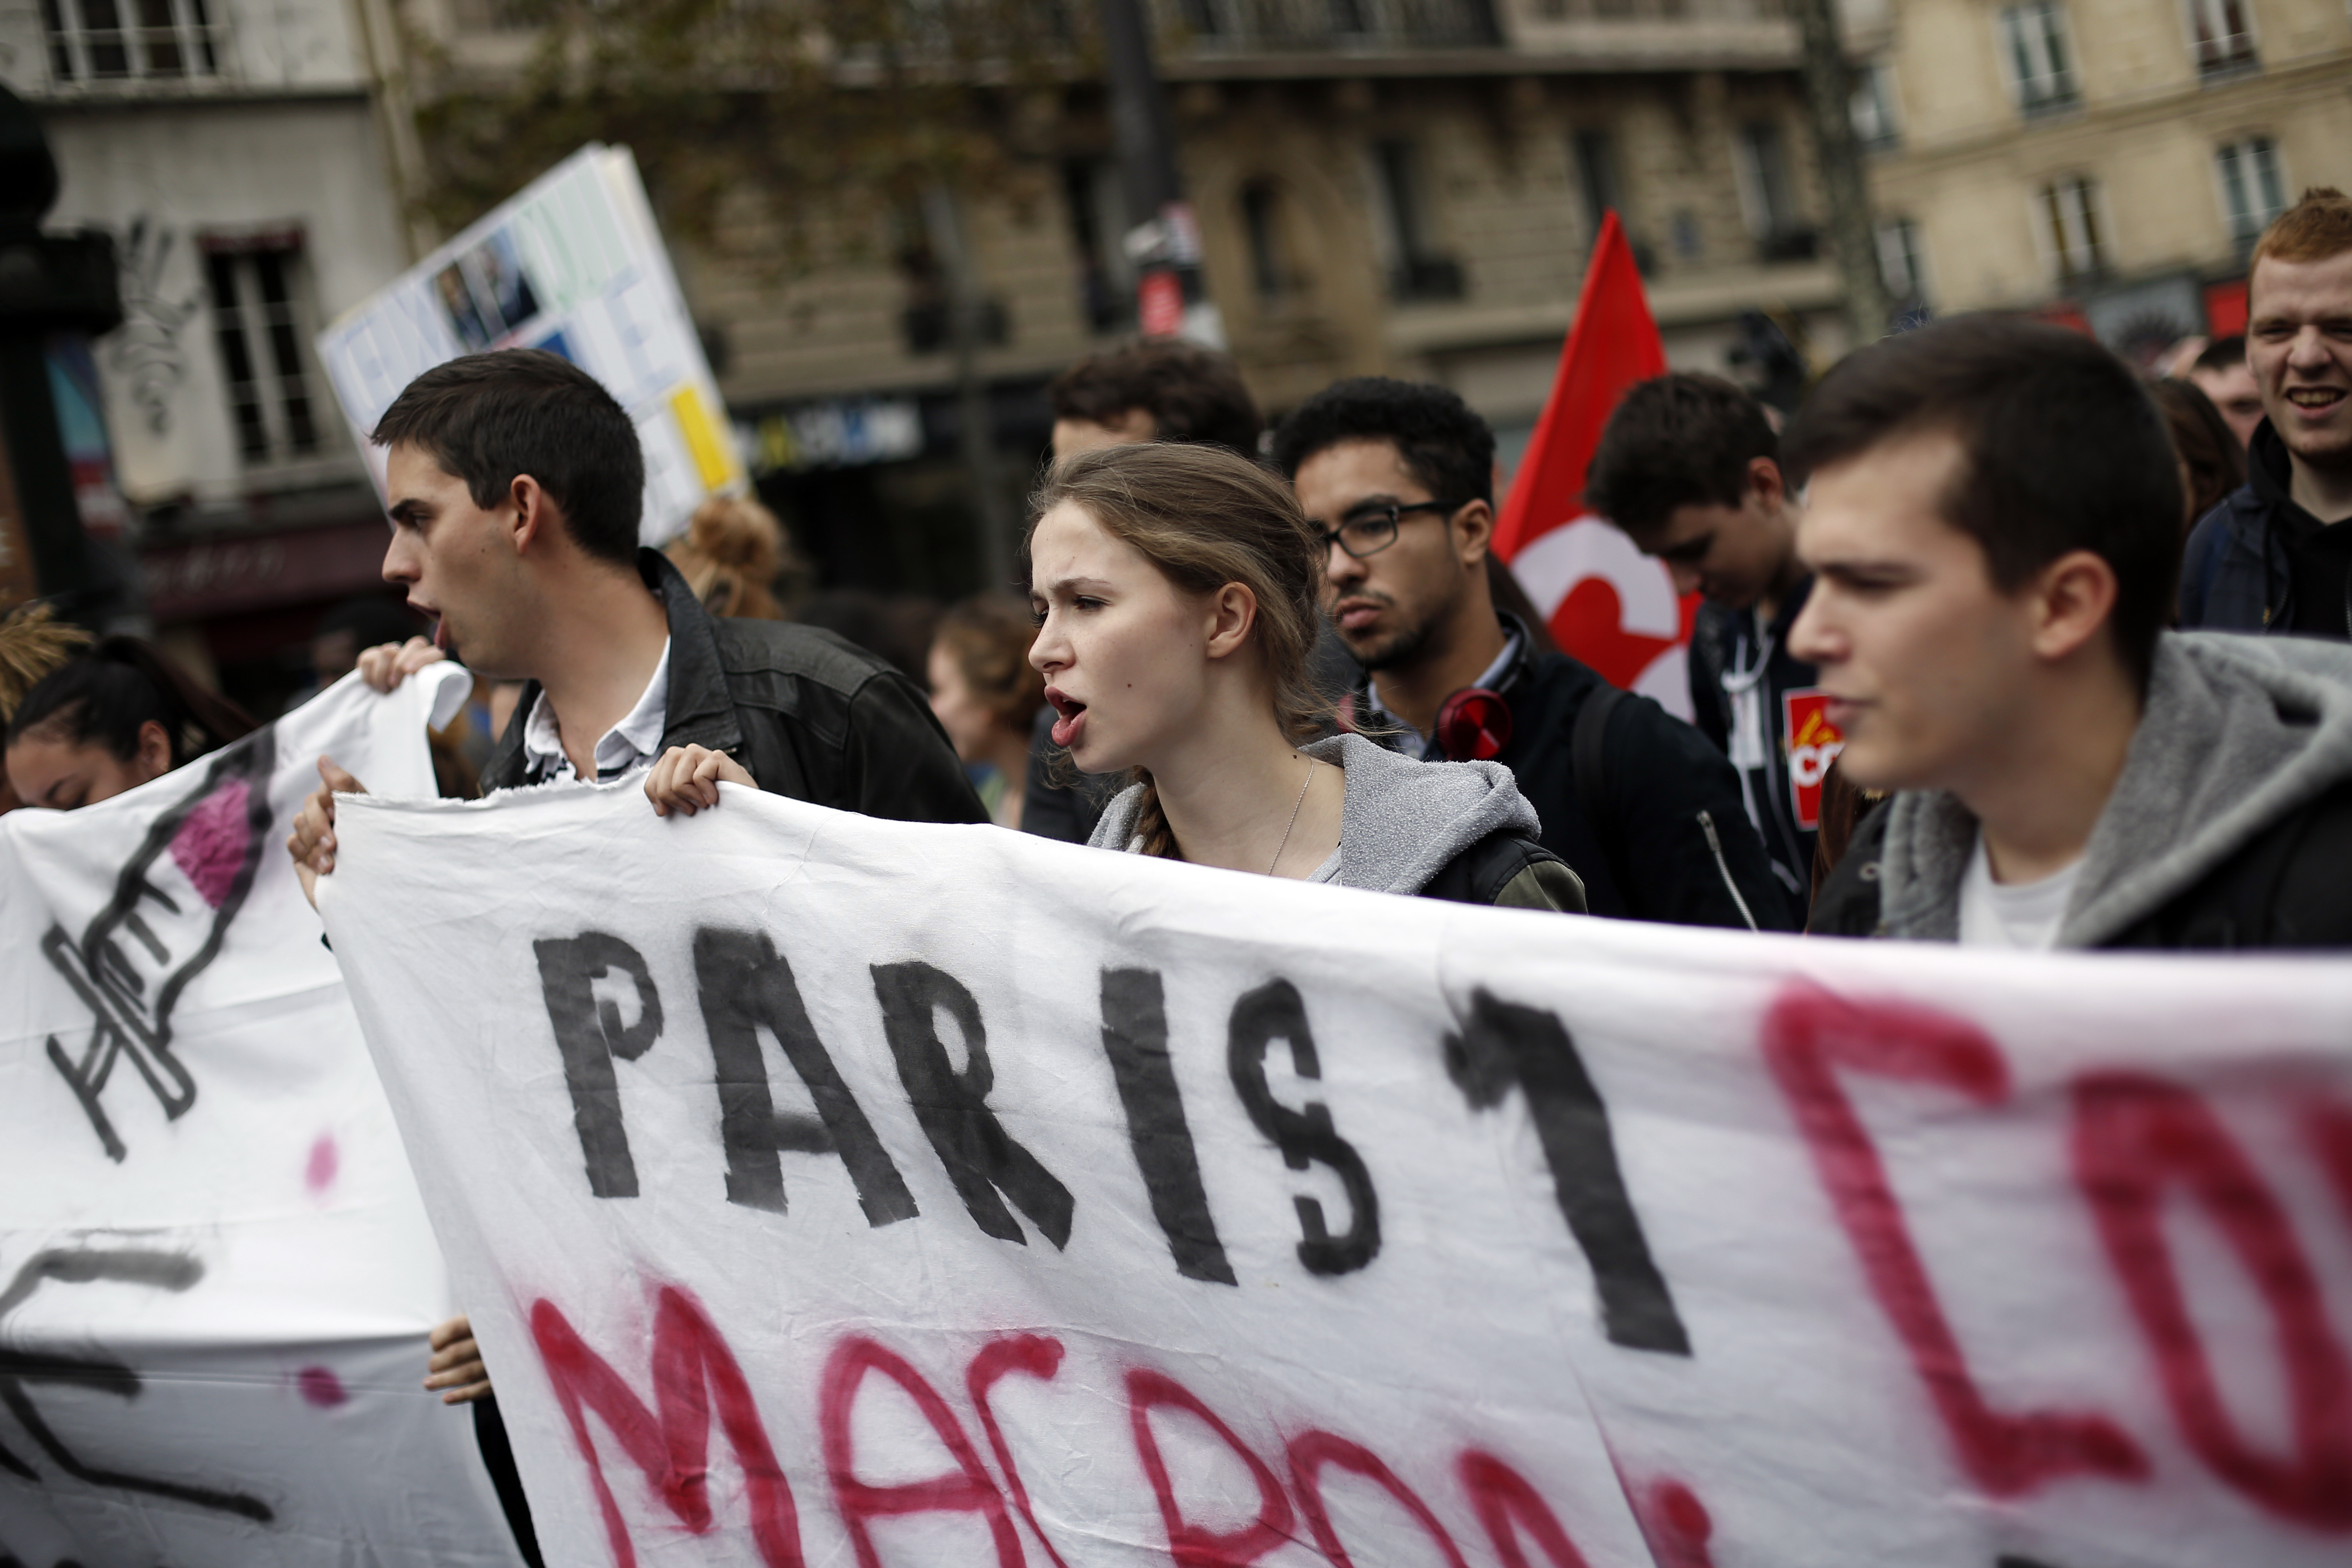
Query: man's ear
x=534, y=520
x=1473, y=532
x=1232, y=616
x=2073, y=599
x=1766, y=484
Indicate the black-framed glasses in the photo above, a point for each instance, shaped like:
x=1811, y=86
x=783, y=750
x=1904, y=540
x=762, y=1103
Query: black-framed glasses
x=1368, y=529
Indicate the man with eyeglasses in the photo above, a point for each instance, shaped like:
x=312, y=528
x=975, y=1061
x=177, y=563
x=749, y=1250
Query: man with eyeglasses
x=1399, y=477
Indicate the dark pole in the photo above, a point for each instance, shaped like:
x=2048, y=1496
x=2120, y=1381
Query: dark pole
x=976, y=421
x=1829, y=107
x=48, y=284
x=1169, y=295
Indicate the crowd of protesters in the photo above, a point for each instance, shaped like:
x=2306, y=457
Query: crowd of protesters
x=1318, y=602
x=2080, y=645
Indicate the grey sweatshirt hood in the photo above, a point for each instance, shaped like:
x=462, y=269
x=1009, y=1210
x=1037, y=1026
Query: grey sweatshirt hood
x=2238, y=731
x=1404, y=821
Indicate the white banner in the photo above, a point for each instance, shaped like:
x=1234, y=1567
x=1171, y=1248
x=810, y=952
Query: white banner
x=573, y=264
x=829, y=1190
x=215, y=1275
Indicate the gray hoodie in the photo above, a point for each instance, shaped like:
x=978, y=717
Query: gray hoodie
x=1404, y=821
x=2238, y=732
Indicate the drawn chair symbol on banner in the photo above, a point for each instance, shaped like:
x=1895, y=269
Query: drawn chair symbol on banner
x=83, y=1266
x=172, y=903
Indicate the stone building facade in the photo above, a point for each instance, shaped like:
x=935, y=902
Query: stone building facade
x=2110, y=162
x=242, y=158
x=1412, y=194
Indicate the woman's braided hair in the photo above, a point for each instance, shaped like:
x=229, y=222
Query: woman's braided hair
x=1206, y=517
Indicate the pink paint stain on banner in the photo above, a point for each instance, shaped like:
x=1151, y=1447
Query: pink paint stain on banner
x=318, y=1174
x=211, y=843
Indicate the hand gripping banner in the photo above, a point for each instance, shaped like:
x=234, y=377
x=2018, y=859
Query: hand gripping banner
x=831, y=1191
x=215, y=1275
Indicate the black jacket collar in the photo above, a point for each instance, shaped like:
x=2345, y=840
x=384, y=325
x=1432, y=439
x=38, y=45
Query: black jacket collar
x=700, y=712
x=2270, y=469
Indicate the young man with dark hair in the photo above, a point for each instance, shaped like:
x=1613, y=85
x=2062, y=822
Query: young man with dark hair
x=516, y=484
x=2221, y=373
x=1989, y=518
x=1688, y=467
x=1399, y=477
x=1161, y=389
x=2276, y=556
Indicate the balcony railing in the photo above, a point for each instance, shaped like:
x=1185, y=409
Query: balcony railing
x=1249, y=26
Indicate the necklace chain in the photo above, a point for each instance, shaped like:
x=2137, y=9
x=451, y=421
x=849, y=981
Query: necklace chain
x=1312, y=763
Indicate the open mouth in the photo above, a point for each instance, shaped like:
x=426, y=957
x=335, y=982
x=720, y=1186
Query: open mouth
x=2315, y=396
x=1071, y=717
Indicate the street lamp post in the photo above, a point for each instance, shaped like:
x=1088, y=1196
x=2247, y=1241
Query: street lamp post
x=1170, y=298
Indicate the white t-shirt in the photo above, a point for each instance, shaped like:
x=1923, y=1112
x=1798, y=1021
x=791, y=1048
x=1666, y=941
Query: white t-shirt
x=2023, y=915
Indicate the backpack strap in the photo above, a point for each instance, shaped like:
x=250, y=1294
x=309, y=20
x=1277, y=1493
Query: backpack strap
x=1587, y=755
x=1479, y=874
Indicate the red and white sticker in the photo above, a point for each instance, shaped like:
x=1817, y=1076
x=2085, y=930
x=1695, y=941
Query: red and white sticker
x=1813, y=743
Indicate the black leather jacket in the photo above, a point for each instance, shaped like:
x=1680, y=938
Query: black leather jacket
x=808, y=714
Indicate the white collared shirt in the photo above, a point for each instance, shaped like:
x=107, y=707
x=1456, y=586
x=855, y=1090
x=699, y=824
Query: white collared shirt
x=1411, y=742
x=629, y=744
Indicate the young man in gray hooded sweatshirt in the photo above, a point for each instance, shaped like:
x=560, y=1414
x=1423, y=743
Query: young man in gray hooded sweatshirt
x=1992, y=517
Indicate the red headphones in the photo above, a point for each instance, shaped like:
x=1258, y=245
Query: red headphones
x=1472, y=725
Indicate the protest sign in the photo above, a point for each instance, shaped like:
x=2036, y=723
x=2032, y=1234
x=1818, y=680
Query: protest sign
x=829, y=1189
x=215, y=1275
x=574, y=264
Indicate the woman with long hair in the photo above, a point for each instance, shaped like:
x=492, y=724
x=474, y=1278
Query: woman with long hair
x=1176, y=593
x=109, y=720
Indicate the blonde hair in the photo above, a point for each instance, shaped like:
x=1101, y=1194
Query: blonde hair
x=1206, y=517
x=730, y=555
x=32, y=643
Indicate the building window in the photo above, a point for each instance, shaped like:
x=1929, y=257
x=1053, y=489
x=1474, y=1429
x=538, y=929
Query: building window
x=1596, y=173
x=2223, y=33
x=1899, y=263
x=490, y=16
x=2041, y=59
x=1767, y=197
x=2253, y=192
x=1097, y=203
x=1269, y=254
x=259, y=325
x=130, y=40
x=1415, y=269
x=1201, y=16
x=2070, y=220
x=1873, y=106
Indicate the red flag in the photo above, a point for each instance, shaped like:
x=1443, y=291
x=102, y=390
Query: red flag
x=1607, y=604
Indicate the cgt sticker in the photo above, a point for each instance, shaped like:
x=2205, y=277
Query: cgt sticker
x=1813, y=743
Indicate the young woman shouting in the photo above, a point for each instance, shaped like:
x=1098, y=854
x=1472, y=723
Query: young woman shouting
x=1175, y=588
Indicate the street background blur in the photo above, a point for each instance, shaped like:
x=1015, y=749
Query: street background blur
x=895, y=223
